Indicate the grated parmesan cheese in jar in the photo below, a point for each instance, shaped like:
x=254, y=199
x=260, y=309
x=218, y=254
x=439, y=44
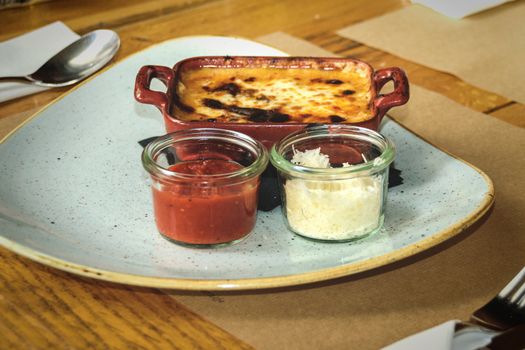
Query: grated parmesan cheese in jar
x=332, y=209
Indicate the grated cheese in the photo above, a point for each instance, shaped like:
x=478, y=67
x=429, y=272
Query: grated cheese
x=311, y=158
x=332, y=209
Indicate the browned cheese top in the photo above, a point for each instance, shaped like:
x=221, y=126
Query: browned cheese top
x=292, y=95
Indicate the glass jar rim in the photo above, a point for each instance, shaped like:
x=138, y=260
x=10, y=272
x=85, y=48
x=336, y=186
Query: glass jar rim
x=369, y=167
x=152, y=150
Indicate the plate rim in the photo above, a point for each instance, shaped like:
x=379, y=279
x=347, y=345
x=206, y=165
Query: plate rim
x=251, y=283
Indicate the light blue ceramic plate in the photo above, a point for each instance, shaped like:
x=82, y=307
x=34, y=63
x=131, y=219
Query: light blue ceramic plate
x=74, y=195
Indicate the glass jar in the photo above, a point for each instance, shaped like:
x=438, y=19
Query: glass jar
x=205, y=184
x=333, y=181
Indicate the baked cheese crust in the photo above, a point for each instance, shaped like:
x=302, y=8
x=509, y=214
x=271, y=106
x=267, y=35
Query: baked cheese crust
x=341, y=94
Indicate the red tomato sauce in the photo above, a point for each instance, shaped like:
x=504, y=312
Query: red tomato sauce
x=194, y=213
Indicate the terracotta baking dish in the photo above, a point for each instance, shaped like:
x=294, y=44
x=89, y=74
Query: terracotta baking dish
x=269, y=123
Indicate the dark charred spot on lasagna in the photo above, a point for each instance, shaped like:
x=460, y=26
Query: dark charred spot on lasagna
x=250, y=79
x=277, y=117
x=183, y=107
x=231, y=88
x=186, y=108
x=258, y=115
x=206, y=88
x=213, y=104
x=305, y=115
x=334, y=81
x=336, y=119
x=348, y=92
x=253, y=114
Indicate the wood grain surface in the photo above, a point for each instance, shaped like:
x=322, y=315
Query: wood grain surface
x=41, y=308
x=47, y=309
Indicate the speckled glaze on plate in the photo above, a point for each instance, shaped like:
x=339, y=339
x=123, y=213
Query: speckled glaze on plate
x=74, y=195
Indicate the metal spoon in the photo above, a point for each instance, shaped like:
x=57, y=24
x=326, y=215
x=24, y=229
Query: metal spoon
x=76, y=62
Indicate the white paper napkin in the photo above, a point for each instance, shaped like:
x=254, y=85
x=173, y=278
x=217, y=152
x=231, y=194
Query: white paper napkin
x=26, y=53
x=460, y=8
x=443, y=337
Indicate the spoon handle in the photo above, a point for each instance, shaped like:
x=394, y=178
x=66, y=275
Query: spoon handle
x=21, y=79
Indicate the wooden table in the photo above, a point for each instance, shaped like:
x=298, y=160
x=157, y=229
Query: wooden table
x=44, y=308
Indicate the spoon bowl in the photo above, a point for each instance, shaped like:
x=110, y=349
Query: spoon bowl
x=75, y=62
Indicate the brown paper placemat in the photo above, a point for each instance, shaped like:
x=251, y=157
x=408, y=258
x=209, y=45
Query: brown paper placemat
x=374, y=309
x=486, y=50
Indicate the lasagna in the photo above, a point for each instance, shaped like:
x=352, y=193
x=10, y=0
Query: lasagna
x=286, y=91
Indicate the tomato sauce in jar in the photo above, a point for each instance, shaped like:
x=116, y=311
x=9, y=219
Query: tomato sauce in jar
x=189, y=213
x=205, y=185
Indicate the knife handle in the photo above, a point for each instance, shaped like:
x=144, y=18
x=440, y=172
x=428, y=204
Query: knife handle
x=513, y=339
